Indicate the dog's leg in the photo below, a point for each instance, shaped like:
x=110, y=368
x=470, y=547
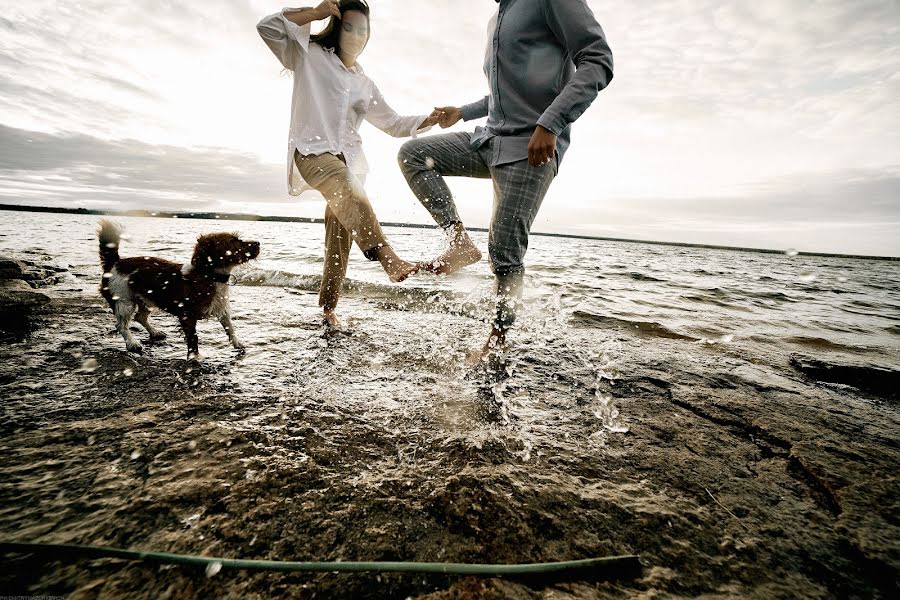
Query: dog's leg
x=225, y=320
x=189, y=324
x=143, y=317
x=124, y=311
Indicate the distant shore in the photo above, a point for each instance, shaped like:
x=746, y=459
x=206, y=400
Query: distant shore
x=222, y=216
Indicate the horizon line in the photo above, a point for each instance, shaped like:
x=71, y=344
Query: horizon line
x=221, y=216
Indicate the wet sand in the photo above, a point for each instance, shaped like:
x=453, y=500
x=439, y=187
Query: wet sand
x=741, y=476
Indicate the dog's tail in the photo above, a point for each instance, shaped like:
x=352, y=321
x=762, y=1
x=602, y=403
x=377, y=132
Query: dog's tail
x=110, y=234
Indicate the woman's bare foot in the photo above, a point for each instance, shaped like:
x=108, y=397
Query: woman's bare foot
x=396, y=268
x=330, y=318
x=461, y=253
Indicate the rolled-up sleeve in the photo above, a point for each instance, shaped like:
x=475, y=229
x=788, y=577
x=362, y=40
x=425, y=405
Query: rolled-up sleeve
x=287, y=40
x=386, y=119
x=475, y=110
x=574, y=25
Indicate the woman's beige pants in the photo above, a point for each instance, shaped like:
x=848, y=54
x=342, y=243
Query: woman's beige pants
x=349, y=218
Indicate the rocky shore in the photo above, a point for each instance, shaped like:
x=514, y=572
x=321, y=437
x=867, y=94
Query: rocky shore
x=741, y=476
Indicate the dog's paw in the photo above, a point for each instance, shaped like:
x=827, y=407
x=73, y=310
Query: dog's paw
x=238, y=345
x=135, y=347
x=158, y=336
x=195, y=357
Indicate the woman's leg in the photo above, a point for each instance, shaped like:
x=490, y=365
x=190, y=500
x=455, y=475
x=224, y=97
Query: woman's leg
x=351, y=207
x=337, y=252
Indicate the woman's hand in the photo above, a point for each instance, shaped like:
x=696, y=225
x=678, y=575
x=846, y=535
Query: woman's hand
x=432, y=119
x=328, y=8
x=447, y=116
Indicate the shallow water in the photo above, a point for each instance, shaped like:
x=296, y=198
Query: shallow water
x=580, y=293
x=751, y=300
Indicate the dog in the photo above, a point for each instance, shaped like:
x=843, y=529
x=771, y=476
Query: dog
x=134, y=286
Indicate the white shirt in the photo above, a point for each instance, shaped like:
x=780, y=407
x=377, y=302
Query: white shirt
x=329, y=101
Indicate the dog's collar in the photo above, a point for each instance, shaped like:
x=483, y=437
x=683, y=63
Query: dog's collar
x=219, y=277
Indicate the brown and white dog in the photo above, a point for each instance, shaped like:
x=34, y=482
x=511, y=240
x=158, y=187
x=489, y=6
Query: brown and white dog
x=190, y=292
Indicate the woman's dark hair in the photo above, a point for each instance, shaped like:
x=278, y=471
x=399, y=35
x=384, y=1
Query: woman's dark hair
x=330, y=37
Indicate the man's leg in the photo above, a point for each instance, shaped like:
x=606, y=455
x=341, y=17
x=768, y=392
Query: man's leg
x=425, y=162
x=519, y=190
x=337, y=253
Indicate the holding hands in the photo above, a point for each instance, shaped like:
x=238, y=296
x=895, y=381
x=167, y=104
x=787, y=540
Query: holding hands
x=541, y=147
x=445, y=116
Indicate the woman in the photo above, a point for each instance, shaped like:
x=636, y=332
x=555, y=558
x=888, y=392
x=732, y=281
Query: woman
x=332, y=95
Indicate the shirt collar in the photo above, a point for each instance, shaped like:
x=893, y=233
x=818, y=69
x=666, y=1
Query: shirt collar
x=355, y=69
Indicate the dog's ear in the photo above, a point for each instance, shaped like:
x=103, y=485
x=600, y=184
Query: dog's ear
x=201, y=252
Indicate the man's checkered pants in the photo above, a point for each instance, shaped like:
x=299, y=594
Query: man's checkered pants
x=519, y=190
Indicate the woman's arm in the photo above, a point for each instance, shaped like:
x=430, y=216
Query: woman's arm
x=287, y=33
x=386, y=119
x=302, y=16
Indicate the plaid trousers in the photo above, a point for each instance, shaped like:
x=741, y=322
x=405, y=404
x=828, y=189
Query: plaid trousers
x=519, y=190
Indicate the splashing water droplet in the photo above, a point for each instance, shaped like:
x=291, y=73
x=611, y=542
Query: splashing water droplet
x=127, y=372
x=213, y=568
x=192, y=444
x=89, y=365
x=429, y=162
x=807, y=277
x=136, y=454
x=791, y=252
x=91, y=440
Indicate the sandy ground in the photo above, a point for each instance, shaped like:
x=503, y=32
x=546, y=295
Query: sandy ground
x=740, y=477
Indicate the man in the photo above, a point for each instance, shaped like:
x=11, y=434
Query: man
x=545, y=63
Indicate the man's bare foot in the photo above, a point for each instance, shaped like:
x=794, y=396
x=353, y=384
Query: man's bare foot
x=495, y=344
x=461, y=253
x=330, y=318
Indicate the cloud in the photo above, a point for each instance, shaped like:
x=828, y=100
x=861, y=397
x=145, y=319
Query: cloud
x=82, y=170
x=720, y=114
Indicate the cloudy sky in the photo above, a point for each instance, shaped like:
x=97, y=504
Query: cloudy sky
x=767, y=124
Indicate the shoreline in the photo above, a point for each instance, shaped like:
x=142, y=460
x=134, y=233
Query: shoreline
x=222, y=216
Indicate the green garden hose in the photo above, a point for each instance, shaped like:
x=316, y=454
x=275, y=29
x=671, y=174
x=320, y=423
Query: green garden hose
x=607, y=567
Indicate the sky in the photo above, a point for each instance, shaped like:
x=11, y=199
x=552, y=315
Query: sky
x=770, y=124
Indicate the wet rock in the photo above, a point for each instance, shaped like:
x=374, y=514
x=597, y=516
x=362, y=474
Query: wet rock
x=10, y=285
x=874, y=379
x=18, y=300
x=11, y=268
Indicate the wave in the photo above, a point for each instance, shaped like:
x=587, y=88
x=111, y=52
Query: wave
x=703, y=299
x=386, y=296
x=641, y=277
x=824, y=344
x=647, y=328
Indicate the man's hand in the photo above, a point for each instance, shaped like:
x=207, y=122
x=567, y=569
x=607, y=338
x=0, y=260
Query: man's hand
x=447, y=116
x=541, y=148
x=328, y=8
